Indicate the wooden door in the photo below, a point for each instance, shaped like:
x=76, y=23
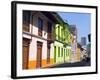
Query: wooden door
x=39, y=54
x=25, y=53
x=48, y=53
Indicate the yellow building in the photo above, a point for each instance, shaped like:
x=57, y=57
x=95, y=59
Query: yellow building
x=78, y=54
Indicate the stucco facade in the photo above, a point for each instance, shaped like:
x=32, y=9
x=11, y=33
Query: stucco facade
x=47, y=40
x=34, y=38
x=62, y=47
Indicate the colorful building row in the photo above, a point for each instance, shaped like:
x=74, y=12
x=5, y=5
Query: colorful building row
x=47, y=40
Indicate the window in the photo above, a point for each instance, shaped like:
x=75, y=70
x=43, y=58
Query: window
x=26, y=21
x=49, y=30
x=68, y=52
x=58, y=32
x=40, y=26
x=32, y=17
x=54, y=53
x=62, y=36
x=49, y=27
x=40, y=23
x=62, y=51
x=58, y=51
x=26, y=16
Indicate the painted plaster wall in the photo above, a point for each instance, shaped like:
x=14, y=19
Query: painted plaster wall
x=62, y=37
x=65, y=55
x=35, y=24
x=33, y=44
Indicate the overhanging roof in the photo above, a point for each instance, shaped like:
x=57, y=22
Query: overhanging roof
x=50, y=16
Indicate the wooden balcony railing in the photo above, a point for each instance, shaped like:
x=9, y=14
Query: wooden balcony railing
x=26, y=27
x=39, y=32
x=50, y=37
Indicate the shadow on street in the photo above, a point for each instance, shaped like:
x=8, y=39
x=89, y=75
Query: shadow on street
x=76, y=64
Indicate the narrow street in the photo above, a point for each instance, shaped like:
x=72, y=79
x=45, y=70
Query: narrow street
x=77, y=64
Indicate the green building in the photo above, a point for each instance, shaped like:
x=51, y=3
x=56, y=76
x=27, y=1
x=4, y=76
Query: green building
x=62, y=43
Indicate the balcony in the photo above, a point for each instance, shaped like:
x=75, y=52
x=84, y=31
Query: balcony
x=50, y=37
x=26, y=27
x=40, y=32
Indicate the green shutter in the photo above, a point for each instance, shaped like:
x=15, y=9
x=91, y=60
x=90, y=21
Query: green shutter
x=62, y=52
x=54, y=53
x=58, y=51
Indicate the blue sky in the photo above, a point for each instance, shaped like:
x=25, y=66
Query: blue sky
x=81, y=20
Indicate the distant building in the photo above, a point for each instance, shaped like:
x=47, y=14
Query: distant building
x=79, y=48
x=73, y=30
x=74, y=33
x=83, y=41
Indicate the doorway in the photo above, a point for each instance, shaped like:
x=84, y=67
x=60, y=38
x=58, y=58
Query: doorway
x=39, y=54
x=48, y=52
x=25, y=54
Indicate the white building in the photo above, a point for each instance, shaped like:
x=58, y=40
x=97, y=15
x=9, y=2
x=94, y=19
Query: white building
x=37, y=39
